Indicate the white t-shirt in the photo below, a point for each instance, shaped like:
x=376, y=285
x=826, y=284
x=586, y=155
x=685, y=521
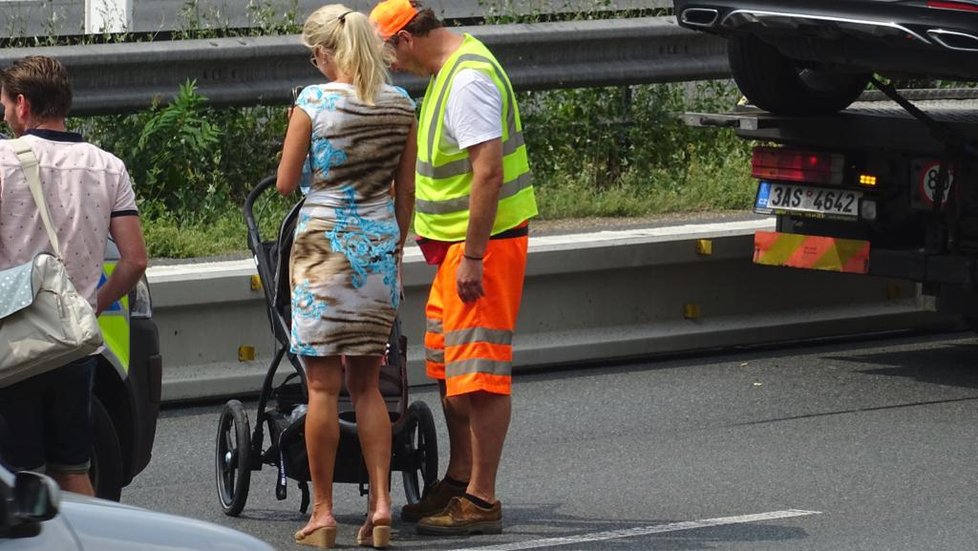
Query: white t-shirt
x=474, y=111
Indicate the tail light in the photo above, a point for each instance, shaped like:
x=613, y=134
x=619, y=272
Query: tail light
x=140, y=302
x=958, y=5
x=793, y=165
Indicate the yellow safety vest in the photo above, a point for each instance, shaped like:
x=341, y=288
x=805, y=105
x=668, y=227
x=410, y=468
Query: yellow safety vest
x=444, y=173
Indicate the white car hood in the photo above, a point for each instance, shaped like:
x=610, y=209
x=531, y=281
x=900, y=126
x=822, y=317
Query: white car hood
x=107, y=526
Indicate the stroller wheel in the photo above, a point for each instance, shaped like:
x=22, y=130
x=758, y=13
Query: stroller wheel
x=232, y=458
x=422, y=443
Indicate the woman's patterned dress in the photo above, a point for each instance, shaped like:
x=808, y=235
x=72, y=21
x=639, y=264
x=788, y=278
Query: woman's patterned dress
x=345, y=288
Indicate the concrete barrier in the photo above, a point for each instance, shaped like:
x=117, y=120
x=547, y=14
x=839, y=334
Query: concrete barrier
x=593, y=298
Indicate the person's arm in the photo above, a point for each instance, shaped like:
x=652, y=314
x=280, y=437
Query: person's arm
x=294, y=152
x=127, y=233
x=404, y=184
x=487, y=178
x=473, y=118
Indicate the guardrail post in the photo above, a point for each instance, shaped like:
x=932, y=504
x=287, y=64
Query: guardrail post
x=108, y=16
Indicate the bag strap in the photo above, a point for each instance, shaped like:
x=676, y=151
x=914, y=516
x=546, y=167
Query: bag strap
x=28, y=162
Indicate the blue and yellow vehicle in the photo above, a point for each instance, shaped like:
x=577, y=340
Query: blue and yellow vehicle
x=128, y=384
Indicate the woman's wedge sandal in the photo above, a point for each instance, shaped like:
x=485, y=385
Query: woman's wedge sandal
x=379, y=536
x=323, y=537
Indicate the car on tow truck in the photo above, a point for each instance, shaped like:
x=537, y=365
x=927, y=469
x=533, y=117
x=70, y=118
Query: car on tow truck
x=805, y=57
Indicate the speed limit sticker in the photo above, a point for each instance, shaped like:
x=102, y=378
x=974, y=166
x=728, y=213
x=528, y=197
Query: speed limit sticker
x=929, y=177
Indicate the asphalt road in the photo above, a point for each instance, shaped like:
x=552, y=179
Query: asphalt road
x=868, y=445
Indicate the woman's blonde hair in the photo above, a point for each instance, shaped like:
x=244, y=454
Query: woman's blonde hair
x=357, y=49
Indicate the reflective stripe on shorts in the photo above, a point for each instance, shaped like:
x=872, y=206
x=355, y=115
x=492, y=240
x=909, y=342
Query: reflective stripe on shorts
x=470, y=346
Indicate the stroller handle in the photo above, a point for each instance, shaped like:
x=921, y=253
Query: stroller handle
x=249, y=206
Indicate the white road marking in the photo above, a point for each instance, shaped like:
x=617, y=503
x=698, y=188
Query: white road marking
x=645, y=530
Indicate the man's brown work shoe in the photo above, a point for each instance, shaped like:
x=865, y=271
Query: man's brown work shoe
x=462, y=517
x=434, y=501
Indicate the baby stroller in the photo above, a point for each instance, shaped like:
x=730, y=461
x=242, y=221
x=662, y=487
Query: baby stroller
x=281, y=405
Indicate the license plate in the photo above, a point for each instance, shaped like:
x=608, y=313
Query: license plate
x=777, y=198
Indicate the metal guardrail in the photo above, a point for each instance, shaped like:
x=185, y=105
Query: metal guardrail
x=114, y=78
x=67, y=17
x=599, y=297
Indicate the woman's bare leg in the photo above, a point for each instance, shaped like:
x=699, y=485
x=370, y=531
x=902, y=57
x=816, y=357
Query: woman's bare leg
x=324, y=377
x=374, y=428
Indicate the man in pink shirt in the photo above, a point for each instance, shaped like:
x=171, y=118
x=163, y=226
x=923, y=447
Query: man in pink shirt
x=47, y=418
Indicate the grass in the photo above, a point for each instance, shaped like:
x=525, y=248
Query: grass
x=709, y=186
x=726, y=185
x=225, y=234
x=167, y=238
x=596, y=153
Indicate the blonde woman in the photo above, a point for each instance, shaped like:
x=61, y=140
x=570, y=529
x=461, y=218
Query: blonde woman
x=359, y=132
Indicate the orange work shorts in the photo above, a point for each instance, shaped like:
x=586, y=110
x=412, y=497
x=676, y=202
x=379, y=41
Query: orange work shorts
x=470, y=346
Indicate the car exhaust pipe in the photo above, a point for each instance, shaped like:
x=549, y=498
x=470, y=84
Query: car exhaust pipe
x=700, y=17
x=953, y=40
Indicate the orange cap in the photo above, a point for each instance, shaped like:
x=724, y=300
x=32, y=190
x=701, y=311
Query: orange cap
x=390, y=16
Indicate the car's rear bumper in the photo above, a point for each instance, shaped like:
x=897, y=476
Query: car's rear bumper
x=888, y=36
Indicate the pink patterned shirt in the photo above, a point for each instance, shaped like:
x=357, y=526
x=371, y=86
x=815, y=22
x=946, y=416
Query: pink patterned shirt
x=84, y=187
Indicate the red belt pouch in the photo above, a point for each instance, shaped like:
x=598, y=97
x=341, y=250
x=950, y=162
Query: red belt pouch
x=434, y=251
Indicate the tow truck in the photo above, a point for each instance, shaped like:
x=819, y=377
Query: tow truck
x=885, y=187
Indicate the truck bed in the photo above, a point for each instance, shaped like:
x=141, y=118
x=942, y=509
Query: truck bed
x=874, y=121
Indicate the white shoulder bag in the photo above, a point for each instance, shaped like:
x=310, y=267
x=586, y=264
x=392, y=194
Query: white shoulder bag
x=44, y=322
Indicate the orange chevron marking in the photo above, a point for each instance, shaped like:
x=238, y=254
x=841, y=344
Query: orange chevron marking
x=811, y=252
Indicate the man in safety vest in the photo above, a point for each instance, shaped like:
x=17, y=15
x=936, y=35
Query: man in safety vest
x=473, y=200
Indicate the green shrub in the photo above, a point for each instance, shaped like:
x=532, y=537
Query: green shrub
x=190, y=162
x=171, y=236
x=624, y=151
x=617, y=151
